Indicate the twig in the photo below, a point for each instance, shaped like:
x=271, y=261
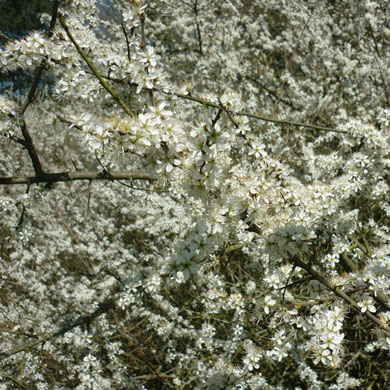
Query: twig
x=207, y=103
x=103, y=307
x=23, y=213
x=127, y=41
x=228, y=114
x=6, y=37
x=317, y=276
x=274, y=94
x=198, y=28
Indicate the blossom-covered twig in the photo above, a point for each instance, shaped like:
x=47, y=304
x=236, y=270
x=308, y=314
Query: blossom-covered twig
x=316, y=275
x=102, y=308
x=106, y=86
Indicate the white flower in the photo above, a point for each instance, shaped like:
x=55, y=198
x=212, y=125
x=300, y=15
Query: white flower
x=252, y=358
x=323, y=356
x=367, y=304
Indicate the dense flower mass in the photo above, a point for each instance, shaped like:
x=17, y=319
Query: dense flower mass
x=194, y=195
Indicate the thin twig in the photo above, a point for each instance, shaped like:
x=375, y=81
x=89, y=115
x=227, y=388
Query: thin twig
x=207, y=103
x=12, y=379
x=274, y=94
x=317, y=276
x=6, y=37
x=228, y=114
x=198, y=28
x=23, y=213
x=143, y=47
x=127, y=41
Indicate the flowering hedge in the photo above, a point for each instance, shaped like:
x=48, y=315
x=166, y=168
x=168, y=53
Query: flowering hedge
x=198, y=197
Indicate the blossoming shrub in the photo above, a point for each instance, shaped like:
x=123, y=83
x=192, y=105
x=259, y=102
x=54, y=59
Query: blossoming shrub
x=199, y=198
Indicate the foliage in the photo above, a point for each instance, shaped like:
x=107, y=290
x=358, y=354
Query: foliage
x=200, y=198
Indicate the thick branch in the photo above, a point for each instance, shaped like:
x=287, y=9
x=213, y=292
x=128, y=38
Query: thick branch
x=73, y=176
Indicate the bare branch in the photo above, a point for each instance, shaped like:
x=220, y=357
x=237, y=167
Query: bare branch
x=15, y=139
x=28, y=142
x=74, y=176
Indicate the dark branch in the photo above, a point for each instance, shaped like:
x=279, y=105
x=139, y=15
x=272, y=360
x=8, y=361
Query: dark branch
x=31, y=150
x=15, y=139
x=30, y=97
x=73, y=176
